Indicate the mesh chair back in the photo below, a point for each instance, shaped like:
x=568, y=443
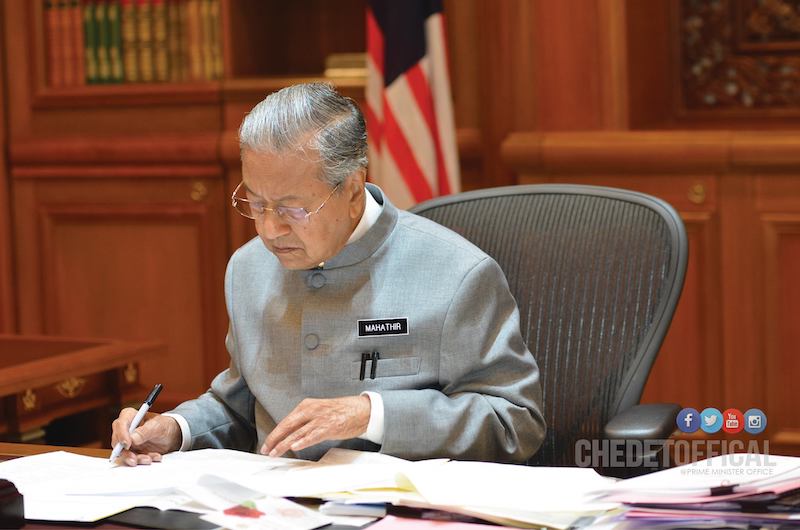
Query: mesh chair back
x=596, y=273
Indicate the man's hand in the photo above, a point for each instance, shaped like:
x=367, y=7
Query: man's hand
x=155, y=436
x=316, y=420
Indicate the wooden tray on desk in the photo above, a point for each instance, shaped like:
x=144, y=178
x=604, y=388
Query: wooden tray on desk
x=45, y=378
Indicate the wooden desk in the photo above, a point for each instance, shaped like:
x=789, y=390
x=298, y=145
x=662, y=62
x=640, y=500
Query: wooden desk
x=46, y=378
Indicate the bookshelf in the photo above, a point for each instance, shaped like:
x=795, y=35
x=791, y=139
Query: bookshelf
x=203, y=45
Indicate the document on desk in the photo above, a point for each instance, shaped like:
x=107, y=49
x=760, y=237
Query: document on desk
x=62, y=486
x=737, y=473
x=43, y=479
x=65, y=486
x=512, y=493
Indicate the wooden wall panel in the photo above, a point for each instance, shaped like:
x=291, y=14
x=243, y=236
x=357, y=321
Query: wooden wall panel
x=7, y=290
x=782, y=341
x=129, y=259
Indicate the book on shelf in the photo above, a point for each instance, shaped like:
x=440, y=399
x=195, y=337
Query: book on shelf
x=91, y=66
x=78, y=46
x=69, y=69
x=144, y=35
x=52, y=30
x=131, y=41
x=130, y=50
x=113, y=16
x=346, y=65
x=103, y=41
x=160, y=41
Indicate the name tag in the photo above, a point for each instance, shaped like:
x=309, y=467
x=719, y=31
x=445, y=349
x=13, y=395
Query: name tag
x=382, y=327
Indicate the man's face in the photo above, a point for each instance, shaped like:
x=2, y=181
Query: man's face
x=290, y=179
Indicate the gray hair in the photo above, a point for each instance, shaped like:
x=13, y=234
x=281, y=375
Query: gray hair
x=311, y=115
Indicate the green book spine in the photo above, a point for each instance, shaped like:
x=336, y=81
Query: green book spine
x=115, y=41
x=90, y=41
x=101, y=23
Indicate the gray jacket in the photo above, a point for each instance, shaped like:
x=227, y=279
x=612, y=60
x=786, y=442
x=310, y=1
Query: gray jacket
x=455, y=376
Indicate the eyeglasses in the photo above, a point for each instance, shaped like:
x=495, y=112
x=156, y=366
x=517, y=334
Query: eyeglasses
x=257, y=209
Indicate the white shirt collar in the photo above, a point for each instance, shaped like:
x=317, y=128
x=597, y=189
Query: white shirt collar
x=372, y=210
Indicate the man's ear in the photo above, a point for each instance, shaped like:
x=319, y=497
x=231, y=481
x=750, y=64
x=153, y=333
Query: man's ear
x=355, y=191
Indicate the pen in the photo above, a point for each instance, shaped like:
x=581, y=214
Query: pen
x=148, y=402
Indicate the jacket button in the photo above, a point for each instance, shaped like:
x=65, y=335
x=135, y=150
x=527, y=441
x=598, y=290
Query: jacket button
x=316, y=280
x=311, y=341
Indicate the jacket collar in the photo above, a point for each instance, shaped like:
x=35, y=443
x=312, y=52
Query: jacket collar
x=366, y=245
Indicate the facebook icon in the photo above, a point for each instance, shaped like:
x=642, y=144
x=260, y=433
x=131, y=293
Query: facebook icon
x=688, y=420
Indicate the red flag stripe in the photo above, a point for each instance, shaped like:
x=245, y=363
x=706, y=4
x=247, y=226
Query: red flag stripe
x=375, y=41
x=399, y=150
x=374, y=129
x=422, y=95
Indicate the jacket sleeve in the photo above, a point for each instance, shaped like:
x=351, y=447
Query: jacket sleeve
x=489, y=401
x=223, y=417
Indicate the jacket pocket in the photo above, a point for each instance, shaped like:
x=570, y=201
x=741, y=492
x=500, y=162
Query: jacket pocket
x=385, y=367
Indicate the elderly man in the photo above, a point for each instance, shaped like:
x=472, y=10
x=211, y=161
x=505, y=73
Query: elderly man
x=352, y=324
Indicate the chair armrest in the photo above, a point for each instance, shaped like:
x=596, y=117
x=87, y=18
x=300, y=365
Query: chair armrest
x=651, y=421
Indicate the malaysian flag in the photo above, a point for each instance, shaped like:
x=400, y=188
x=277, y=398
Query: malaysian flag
x=412, y=141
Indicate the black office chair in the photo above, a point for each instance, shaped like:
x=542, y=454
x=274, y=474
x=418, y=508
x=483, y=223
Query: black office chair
x=597, y=273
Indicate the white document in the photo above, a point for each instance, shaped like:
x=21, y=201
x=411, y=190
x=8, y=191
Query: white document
x=339, y=471
x=510, y=487
x=741, y=470
x=62, y=486
x=43, y=479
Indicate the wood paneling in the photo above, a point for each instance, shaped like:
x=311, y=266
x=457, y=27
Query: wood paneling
x=130, y=259
x=782, y=334
x=7, y=290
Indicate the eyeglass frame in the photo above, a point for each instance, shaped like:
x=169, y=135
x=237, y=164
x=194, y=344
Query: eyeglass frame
x=277, y=210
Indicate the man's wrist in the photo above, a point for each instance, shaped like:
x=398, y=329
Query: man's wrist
x=181, y=438
x=375, y=427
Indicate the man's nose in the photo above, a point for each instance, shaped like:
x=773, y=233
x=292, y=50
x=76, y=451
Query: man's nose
x=272, y=225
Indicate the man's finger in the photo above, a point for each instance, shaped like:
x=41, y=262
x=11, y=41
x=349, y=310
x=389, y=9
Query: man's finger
x=291, y=423
x=309, y=438
x=287, y=442
x=128, y=458
x=120, y=426
x=144, y=459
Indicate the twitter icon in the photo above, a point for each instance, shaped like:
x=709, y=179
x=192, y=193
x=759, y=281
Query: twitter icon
x=711, y=420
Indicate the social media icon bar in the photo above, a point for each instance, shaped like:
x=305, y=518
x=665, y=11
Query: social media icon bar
x=711, y=420
x=688, y=420
x=755, y=421
x=732, y=421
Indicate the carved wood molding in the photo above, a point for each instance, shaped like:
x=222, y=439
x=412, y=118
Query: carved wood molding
x=652, y=152
x=116, y=150
x=160, y=171
x=739, y=55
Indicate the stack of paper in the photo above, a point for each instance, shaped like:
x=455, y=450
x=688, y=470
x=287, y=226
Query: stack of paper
x=234, y=487
x=746, y=488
